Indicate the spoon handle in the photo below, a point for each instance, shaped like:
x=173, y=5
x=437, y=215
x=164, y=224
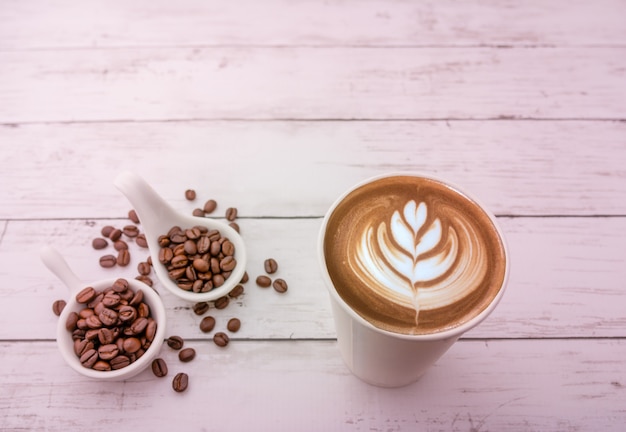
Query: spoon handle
x=57, y=265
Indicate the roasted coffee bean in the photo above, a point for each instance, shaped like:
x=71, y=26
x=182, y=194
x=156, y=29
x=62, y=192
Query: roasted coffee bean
x=58, y=306
x=123, y=258
x=108, y=261
x=186, y=355
x=231, y=214
x=120, y=285
x=107, y=230
x=215, y=248
x=108, y=317
x=72, y=321
x=201, y=265
x=132, y=215
x=270, y=265
x=218, y=280
x=92, y=334
x=99, y=243
x=115, y=234
x=233, y=325
x=165, y=255
x=222, y=302
x=139, y=325
x=190, y=247
x=136, y=299
x=145, y=279
x=120, y=244
x=141, y=241
x=280, y=285
x=131, y=345
x=87, y=312
x=108, y=352
x=228, y=264
x=151, y=329
x=197, y=212
x=207, y=324
x=101, y=365
x=130, y=231
x=263, y=281
x=144, y=268
x=180, y=382
x=200, y=308
x=245, y=277
x=86, y=295
x=119, y=362
x=190, y=194
x=127, y=313
x=179, y=261
x=159, y=367
x=175, y=342
x=228, y=248
x=235, y=226
x=178, y=238
x=209, y=206
x=221, y=339
x=110, y=299
x=93, y=322
x=236, y=292
x=89, y=358
x=106, y=336
x=81, y=346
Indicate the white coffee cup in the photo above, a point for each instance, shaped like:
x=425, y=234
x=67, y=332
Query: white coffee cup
x=385, y=358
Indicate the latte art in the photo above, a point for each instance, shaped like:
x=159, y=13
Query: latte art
x=419, y=264
x=412, y=255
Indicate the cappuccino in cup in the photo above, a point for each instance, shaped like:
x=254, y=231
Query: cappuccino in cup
x=411, y=258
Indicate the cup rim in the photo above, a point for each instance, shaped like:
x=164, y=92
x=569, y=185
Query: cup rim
x=65, y=342
x=445, y=334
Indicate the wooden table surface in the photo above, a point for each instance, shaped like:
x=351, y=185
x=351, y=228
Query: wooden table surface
x=276, y=107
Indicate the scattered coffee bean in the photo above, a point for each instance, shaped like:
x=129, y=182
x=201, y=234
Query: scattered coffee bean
x=120, y=244
x=200, y=308
x=175, y=342
x=123, y=258
x=99, y=243
x=159, y=367
x=190, y=194
x=141, y=241
x=280, y=285
x=180, y=382
x=108, y=261
x=263, y=281
x=233, y=325
x=222, y=302
x=58, y=306
x=236, y=292
x=221, y=339
x=207, y=324
x=145, y=279
x=130, y=231
x=197, y=212
x=270, y=265
x=115, y=234
x=231, y=214
x=245, y=277
x=132, y=215
x=209, y=206
x=107, y=230
x=186, y=355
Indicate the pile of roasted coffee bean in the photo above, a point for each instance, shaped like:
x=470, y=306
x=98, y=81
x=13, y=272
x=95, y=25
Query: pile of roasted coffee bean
x=197, y=259
x=113, y=329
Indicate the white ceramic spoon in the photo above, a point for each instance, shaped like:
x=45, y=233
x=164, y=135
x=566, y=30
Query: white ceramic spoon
x=57, y=265
x=158, y=217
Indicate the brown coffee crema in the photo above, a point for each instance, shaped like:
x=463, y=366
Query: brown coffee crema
x=412, y=255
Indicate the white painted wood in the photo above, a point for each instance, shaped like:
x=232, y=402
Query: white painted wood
x=312, y=83
x=567, y=280
x=96, y=24
x=563, y=385
x=299, y=168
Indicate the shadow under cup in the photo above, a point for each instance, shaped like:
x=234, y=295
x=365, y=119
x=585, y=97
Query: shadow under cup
x=406, y=274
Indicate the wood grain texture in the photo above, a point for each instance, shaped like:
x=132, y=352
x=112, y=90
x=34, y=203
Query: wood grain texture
x=312, y=83
x=568, y=279
x=564, y=385
x=383, y=23
x=299, y=168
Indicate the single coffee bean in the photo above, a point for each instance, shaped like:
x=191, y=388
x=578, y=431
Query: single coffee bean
x=132, y=215
x=139, y=325
x=236, y=292
x=108, y=352
x=165, y=255
x=141, y=241
x=245, y=277
x=159, y=367
x=228, y=248
x=263, y=281
x=190, y=194
x=108, y=317
x=201, y=308
x=221, y=339
x=71, y=322
x=89, y=358
x=58, y=306
x=222, y=302
x=106, y=336
x=233, y=325
x=120, y=244
x=115, y=234
x=180, y=382
x=93, y=322
x=151, y=329
x=175, y=342
x=231, y=214
x=209, y=206
x=207, y=324
x=197, y=212
x=130, y=231
x=119, y=362
x=186, y=355
x=201, y=265
x=101, y=365
x=179, y=261
x=270, y=265
x=86, y=295
x=131, y=345
x=235, y=226
x=127, y=313
x=81, y=346
x=107, y=230
x=108, y=261
x=280, y=285
x=218, y=280
x=228, y=264
x=111, y=299
x=145, y=279
x=144, y=268
x=123, y=258
x=120, y=285
x=190, y=247
x=99, y=243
